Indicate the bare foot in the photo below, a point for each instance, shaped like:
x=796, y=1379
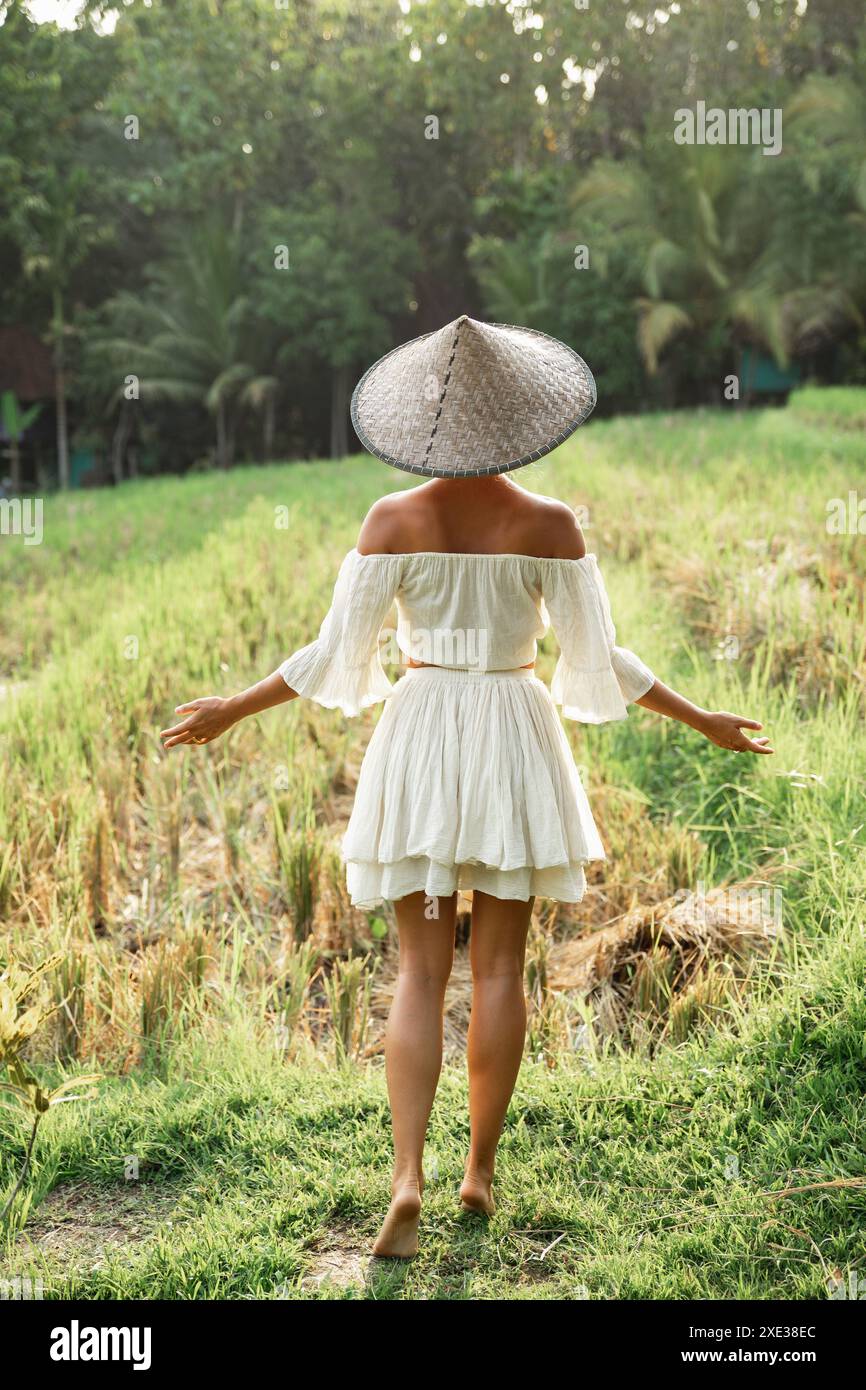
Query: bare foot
x=476, y=1193
x=398, y=1238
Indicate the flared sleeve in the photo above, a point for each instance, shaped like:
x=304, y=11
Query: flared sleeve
x=343, y=668
x=594, y=679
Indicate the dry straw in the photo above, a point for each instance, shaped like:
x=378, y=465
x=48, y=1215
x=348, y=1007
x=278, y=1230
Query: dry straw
x=472, y=399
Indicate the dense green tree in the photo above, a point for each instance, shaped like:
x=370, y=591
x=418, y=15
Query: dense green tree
x=416, y=159
x=713, y=244
x=51, y=177
x=189, y=336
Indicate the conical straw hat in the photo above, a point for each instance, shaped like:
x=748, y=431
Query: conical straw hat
x=472, y=398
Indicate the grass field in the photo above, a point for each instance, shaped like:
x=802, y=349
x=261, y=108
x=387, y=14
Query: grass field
x=679, y=1085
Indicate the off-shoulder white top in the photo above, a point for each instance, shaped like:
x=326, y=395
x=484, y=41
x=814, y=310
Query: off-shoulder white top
x=481, y=611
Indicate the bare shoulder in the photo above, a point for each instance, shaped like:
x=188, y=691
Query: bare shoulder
x=388, y=522
x=564, y=539
x=379, y=527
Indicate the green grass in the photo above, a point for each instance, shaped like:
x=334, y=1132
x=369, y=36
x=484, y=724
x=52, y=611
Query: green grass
x=656, y=1176
x=840, y=407
x=653, y=1166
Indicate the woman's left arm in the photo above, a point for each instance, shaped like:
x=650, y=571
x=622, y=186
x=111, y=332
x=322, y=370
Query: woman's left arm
x=720, y=727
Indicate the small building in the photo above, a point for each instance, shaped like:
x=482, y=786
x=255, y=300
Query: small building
x=27, y=369
x=762, y=380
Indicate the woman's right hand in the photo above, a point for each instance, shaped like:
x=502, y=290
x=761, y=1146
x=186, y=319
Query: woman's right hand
x=206, y=719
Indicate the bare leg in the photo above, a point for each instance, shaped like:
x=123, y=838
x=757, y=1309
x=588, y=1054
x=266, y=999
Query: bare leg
x=413, y=1057
x=497, y=1032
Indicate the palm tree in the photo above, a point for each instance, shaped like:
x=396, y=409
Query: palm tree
x=712, y=252
x=189, y=337
x=56, y=235
x=515, y=277
x=827, y=120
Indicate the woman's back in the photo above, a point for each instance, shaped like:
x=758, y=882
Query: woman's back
x=489, y=516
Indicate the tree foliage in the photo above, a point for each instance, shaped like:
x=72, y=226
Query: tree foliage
x=244, y=202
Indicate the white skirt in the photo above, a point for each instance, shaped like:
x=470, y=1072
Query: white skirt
x=469, y=782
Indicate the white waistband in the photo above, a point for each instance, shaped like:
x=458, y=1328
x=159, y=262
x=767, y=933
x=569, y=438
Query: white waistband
x=463, y=674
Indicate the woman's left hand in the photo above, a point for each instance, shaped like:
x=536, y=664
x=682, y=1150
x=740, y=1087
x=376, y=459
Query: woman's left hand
x=726, y=731
x=207, y=718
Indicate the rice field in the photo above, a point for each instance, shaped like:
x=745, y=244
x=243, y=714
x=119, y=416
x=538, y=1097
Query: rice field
x=690, y=1118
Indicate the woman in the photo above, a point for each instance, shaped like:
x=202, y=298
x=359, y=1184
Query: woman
x=468, y=781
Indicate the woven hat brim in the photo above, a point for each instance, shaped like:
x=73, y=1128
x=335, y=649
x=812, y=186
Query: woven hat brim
x=583, y=378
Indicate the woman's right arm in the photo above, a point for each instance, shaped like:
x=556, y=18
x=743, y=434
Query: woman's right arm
x=212, y=715
x=342, y=669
